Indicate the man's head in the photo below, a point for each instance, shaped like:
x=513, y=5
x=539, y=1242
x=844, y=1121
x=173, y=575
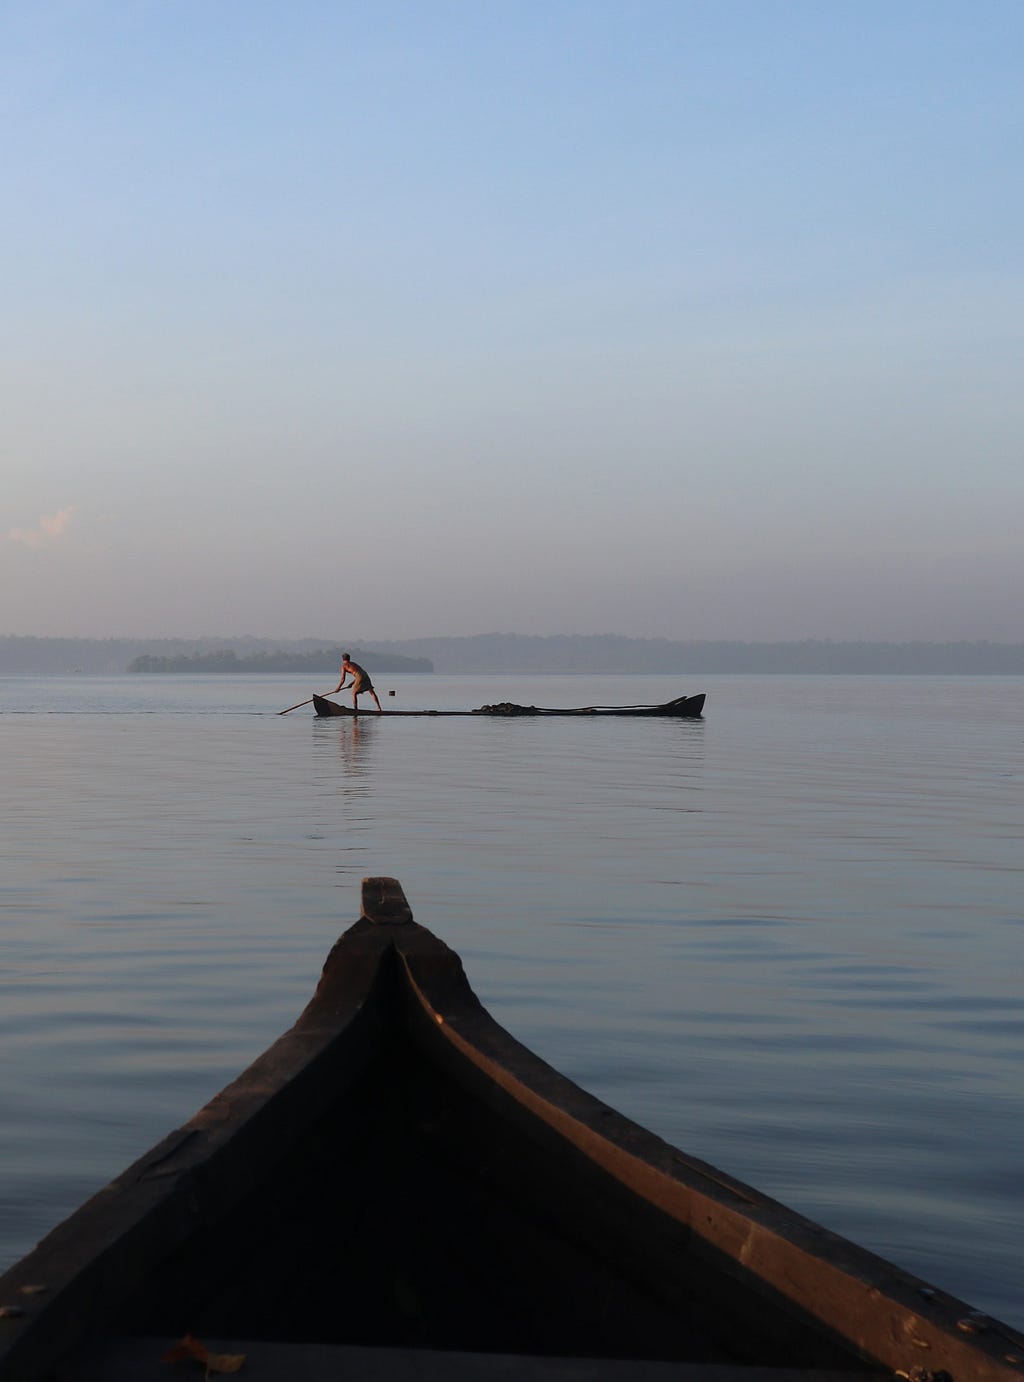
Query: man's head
x=346, y=657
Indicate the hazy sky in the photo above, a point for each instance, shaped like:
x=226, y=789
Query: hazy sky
x=693, y=318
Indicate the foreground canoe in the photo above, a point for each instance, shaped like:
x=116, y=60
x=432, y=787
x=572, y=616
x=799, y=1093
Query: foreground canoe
x=397, y=1189
x=682, y=708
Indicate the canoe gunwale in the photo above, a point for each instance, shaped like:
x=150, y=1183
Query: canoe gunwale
x=860, y=1300
x=93, y=1260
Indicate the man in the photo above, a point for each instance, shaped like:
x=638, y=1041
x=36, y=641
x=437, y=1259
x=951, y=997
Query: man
x=360, y=680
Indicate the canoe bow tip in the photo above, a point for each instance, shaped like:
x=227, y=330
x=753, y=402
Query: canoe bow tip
x=384, y=902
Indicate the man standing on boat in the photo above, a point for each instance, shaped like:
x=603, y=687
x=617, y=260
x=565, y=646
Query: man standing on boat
x=360, y=680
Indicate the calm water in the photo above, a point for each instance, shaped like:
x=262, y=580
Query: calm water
x=787, y=937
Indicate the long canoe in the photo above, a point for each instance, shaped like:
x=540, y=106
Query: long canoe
x=397, y=1189
x=683, y=707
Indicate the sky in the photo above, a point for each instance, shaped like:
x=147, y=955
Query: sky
x=697, y=319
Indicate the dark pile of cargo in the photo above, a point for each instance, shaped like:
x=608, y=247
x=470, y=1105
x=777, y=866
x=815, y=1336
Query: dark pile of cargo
x=506, y=708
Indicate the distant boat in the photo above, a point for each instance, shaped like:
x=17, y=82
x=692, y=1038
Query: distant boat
x=398, y=1189
x=683, y=707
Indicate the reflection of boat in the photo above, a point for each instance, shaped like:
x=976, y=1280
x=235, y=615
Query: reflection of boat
x=683, y=707
x=397, y=1183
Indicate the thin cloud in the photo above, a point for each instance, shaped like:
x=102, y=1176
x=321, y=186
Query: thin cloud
x=50, y=528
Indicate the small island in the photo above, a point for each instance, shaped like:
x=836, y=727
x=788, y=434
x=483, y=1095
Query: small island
x=323, y=660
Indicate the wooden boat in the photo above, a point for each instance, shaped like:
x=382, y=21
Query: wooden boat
x=398, y=1189
x=683, y=707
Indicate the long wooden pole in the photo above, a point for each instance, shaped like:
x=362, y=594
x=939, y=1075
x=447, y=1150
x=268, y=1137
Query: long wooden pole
x=296, y=706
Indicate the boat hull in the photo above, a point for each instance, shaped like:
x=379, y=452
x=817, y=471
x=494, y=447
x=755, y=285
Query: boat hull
x=398, y=1174
x=684, y=708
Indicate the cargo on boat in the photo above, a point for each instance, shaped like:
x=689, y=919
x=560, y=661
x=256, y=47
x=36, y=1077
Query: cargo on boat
x=397, y=1189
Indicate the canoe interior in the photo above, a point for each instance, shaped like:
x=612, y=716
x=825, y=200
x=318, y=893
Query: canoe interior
x=682, y=708
x=413, y=1215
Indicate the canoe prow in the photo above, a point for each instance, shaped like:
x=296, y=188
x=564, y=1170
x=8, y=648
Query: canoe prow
x=397, y=1173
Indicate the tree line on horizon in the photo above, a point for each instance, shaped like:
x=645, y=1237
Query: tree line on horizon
x=25, y=654
x=512, y=653
x=612, y=653
x=227, y=660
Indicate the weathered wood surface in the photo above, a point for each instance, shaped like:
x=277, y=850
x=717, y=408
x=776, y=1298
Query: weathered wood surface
x=398, y=1173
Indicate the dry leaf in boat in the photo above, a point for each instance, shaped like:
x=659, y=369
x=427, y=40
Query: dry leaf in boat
x=224, y=1362
x=186, y=1348
x=189, y=1348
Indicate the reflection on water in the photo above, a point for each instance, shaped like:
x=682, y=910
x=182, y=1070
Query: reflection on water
x=350, y=744
x=786, y=936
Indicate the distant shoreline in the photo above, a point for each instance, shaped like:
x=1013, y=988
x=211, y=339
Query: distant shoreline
x=588, y=654
x=228, y=661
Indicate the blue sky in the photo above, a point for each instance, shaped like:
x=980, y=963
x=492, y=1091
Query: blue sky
x=700, y=320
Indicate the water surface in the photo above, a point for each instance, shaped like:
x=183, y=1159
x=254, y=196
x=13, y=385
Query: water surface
x=787, y=936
